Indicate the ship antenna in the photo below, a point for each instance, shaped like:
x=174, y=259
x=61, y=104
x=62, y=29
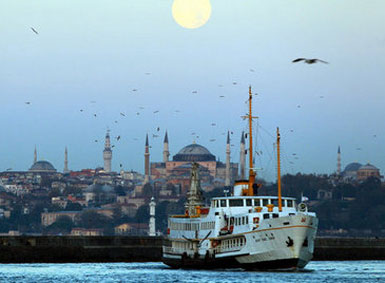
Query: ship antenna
x=252, y=173
x=279, y=171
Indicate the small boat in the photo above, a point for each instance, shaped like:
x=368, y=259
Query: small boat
x=243, y=230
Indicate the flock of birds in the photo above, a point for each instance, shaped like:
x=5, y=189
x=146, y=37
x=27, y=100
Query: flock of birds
x=309, y=61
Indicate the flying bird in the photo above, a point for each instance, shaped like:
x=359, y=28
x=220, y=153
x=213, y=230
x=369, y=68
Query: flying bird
x=137, y=113
x=95, y=115
x=234, y=83
x=158, y=129
x=35, y=31
x=154, y=136
x=27, y=102
x=147, y=73
x=116, y=121
x=118, y=138
x=156, y=111
x=81, y=110
x=122, y=114
x=96, y=140
x=220, y=85
x=298, y=106
x=252, y=70
x=134, y=89
x=221, y=96
x=194, y=91
x=309, y=61
x=212, y=140
x=213, y=124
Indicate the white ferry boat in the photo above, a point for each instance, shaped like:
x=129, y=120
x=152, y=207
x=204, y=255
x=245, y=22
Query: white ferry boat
x=243, y=230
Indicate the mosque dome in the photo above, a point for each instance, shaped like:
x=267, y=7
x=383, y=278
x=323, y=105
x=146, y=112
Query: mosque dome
x=193, y=153
x=368, y=167
x=42, y=166
x=352, y=167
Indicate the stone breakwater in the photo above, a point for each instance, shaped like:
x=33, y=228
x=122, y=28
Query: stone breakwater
x=59, y=249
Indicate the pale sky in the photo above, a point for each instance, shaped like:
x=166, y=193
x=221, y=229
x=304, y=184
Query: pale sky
x=101, y=50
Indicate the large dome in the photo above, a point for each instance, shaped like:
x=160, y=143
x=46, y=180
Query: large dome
x=42, y=166
x=352, y=167
x=368, y=167
x=194, y=152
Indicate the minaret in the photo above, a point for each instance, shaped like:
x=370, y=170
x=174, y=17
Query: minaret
x=242, y=157
x=65, y=170
x=152, y=218
x=35, y=156
x=194, y=195
x=227, y=178
x=146, y=162
x=166, y=153
x=107, y=153
x=339, y=161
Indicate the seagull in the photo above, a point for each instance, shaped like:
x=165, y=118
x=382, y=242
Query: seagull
x=156, y=111
x=212, y=140
x=118, y=138
x=81, y=110
x=96, y=140
x=221, y=96
x=147, y=73
x=92, y=101
x=137, y=113
x=321, y=96
x=141, y=107
x=158, y=129
x=298, y=106
x=358, y=148
x=374, y=136
x=116, y=121
x=213, y=124
x=177, y=111
x=252, y=70
x=112, y=146
x=194, y=91
x=220, y=85
x=154, y=136
x=120, y=165
x=95, y=115
x=134, y=89
x=309, y=61
x=234, y=83
x=122, y=114
x=35, y=31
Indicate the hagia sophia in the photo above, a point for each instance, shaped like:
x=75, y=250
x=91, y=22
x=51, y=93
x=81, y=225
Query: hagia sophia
x=177, y=171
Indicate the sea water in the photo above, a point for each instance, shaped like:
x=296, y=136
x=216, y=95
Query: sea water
x=316, y=271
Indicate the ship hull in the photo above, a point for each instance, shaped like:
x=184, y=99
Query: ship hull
x=278, y=247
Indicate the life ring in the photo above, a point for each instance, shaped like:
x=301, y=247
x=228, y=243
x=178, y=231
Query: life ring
x=256, y=220
x=215, y=244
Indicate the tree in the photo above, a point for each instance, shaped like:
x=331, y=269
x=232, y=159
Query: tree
x=92, y=219
x=62, y=225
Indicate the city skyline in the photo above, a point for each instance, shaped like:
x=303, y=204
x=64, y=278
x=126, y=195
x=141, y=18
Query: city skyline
x=131, y=57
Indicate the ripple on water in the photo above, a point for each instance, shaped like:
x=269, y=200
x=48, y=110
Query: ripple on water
x=321, y=271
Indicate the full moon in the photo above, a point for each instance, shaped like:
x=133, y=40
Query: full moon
x=191, y=14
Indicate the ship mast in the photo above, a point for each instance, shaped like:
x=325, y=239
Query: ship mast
x=279, y=171
x=252, y=174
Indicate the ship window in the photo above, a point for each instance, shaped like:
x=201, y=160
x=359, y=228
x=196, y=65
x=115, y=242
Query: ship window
x=275, y=215
x=266, y=216
x=257, y=202
x=265, y=202
x=289, y=203
x=236, y=202
x=247, y=220
x=223, y=203
x=248, y=202
x=275, y=202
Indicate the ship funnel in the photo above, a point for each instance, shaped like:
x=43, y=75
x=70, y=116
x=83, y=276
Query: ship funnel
x=240, y=187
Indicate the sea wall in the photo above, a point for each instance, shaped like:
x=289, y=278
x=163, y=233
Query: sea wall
x=349, y=249
x=26, y=249
x=17, y=249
